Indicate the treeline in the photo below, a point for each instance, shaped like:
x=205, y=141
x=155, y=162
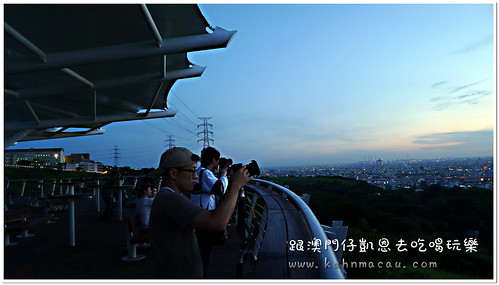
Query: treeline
x=421, y=217
x=43, y=173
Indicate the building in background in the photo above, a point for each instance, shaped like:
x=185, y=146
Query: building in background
x=51, y=158
x=45, y=157
x=82, y=161
x=75, y=158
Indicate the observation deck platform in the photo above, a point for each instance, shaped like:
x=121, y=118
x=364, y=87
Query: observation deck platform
x=100, y=245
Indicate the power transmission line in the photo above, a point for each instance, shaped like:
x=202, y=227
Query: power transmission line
x=155, y=127
x=171, y=142
x=183, y=103
x=178, y=125
x=206, y=132
x=116, y=155
x=182, y=116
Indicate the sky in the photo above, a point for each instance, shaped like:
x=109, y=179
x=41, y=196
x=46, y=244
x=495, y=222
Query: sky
x=310, y=84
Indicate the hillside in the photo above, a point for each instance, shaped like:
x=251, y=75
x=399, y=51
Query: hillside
x=421, y=217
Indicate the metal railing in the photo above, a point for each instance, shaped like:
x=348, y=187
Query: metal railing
x=22, y=187
x=251, y=220
x=314, y=227
x=43, y=188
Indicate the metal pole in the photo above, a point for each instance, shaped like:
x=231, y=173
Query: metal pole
x=53, y=186
x=40, y=182
x=98, y=196
x=24, y=186
x=120, y=202
x=72, y=222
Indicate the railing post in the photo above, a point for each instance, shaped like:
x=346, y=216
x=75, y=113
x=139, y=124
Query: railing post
x=40, y=183
x=68, y=187
x=53, y=186
x=98, y=195
x=7, y=184
x=120, y=202
x=24, y=186
x=71, y=189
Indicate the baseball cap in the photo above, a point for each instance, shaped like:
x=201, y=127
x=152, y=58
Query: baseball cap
x=174, y=157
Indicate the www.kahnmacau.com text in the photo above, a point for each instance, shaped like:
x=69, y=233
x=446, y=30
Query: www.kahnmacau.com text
x=361, y=264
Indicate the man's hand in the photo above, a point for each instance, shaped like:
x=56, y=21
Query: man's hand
x=223, y=171
x=240, y=177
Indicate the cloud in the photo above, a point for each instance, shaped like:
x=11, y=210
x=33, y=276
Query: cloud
x=438, y=84
x=466, y=86
x=442, y=106
x=475, y=94
x=467, y=143
x=472, y=46
x=459, y=95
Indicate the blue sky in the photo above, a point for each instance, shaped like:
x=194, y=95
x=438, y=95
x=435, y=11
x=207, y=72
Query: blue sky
x=310, y=84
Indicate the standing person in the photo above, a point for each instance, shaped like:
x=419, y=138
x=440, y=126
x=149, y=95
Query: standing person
x=145, y=197
x=205, y=197
x=107, y=194
x=174, y=218
x=210, y=159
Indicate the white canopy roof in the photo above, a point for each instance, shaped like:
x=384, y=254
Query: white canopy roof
x=85, y=66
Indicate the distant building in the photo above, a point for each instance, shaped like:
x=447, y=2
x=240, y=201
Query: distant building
x=391, y=184
x=44, y=157
x=93, y=167
x=82, y=161
x=75, y=158
x=52, y=157
x=88, y=166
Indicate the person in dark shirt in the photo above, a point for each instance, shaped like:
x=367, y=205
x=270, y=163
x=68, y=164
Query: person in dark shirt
x=175, y=218
x=107, y=194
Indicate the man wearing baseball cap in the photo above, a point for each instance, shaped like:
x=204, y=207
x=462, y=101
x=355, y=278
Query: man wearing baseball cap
x=174, y=218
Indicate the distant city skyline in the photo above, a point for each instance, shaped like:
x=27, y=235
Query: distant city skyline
x=305, y=84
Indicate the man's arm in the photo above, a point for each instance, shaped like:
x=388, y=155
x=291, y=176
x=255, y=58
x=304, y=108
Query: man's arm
x=217, y=186
x=219, y=219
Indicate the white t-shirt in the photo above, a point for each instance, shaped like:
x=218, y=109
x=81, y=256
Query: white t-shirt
x=143, y=209
x=205, y=200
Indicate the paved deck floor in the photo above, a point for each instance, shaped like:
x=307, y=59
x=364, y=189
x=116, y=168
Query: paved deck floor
x=98, y=251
